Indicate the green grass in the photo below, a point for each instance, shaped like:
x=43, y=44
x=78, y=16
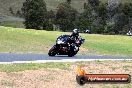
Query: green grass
x=16, y=40
x=109, y=44
x=32, y=66
x=13, y=24
x=63, y=65
x=25, y=41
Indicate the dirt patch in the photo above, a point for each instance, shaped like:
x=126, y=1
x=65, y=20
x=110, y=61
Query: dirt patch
x=57, y=78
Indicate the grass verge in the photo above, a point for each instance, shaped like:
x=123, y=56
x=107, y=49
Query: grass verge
x=14, y=24
x=32, y=66
x=16, y=40
x=49, y=75
x=62, y=65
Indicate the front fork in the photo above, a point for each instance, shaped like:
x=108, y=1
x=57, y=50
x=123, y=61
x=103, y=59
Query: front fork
x=76, y=48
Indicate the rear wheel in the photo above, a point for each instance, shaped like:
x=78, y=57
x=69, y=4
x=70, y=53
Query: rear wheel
x=52, y=51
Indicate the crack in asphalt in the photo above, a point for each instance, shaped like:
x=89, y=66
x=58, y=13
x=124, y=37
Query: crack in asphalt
x=11, y=57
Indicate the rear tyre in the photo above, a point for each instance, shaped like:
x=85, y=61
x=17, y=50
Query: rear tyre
x=52, y=51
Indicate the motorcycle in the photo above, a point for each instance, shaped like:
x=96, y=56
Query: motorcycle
x=64, y=46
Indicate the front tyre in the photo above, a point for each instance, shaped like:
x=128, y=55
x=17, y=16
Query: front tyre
x=71, y=52
x=76, y=51
x=71, y=55
x=52, y=51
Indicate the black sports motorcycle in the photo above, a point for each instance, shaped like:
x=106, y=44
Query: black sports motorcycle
x=66, y=46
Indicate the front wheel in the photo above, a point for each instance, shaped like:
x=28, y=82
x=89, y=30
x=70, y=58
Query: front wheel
x=71, y=52
x=76, y=51
x=71, y=55
x=52, y=51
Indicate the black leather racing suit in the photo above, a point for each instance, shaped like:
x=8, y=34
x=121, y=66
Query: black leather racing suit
x=74, y=37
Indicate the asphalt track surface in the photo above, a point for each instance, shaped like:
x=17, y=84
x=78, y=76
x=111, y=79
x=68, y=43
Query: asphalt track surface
x=10, y=57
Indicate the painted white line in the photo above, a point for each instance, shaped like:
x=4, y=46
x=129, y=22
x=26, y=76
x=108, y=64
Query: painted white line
x=63, y=60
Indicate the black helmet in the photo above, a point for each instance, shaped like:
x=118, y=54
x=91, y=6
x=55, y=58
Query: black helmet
x=75, y=31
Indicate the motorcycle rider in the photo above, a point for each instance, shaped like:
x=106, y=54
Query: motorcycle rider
x=73, y=37
x=75, y=34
